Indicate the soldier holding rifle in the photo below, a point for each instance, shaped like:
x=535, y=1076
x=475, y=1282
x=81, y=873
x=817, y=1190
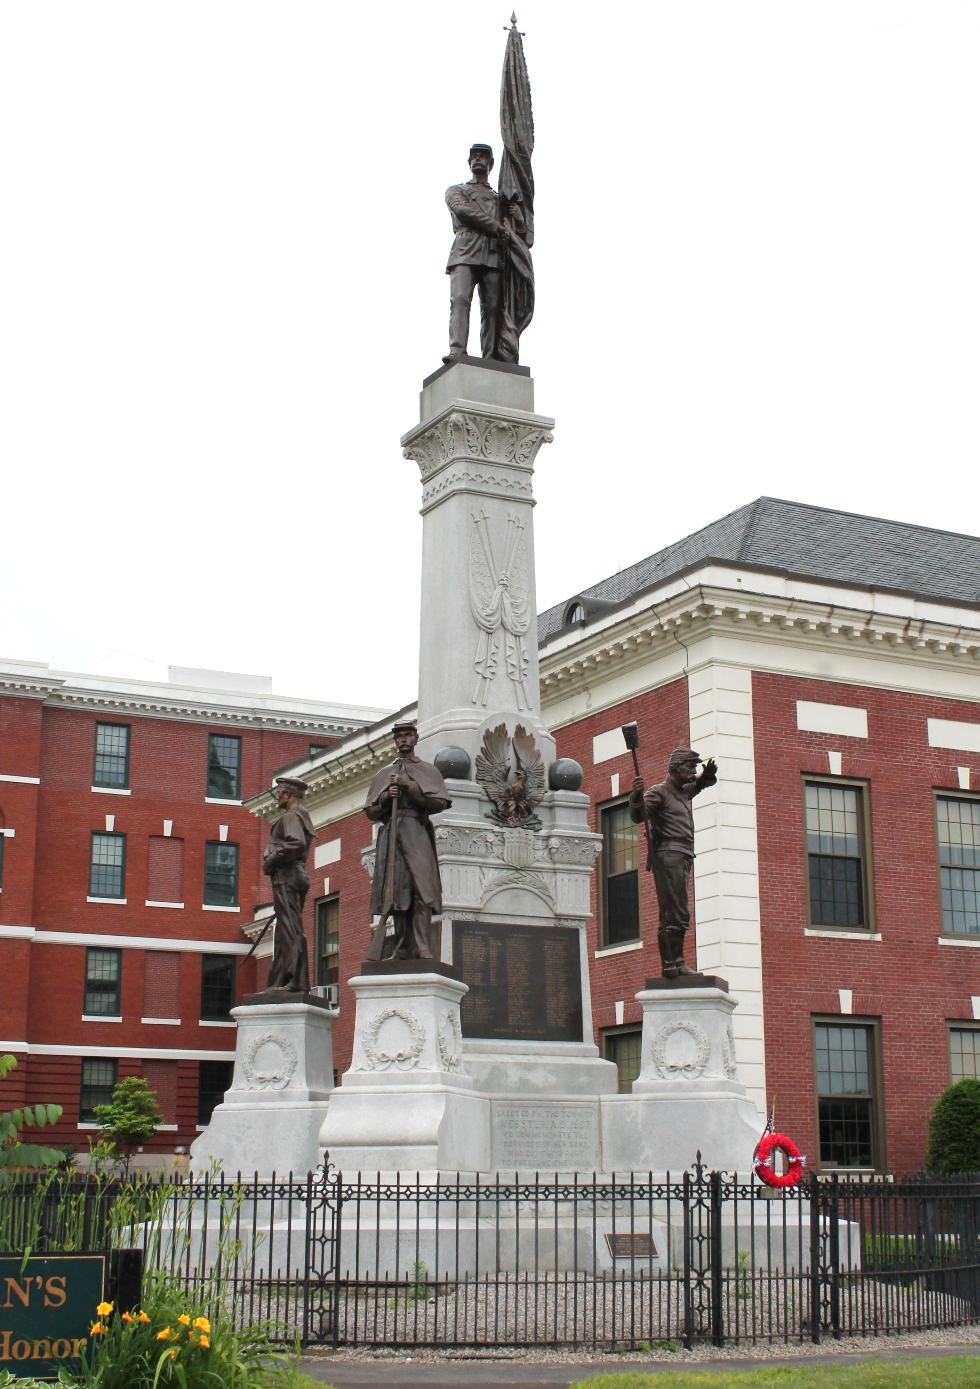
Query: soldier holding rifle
x=665, y=811
x=406, y=882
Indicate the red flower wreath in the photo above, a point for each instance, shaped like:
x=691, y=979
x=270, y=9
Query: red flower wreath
x=768, y=1143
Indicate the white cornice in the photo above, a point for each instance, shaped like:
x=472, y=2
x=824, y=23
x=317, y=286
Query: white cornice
x=912, y=641
x=161, y=699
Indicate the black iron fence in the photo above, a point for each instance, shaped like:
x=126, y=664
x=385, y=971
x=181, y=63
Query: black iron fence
x=623, y=1261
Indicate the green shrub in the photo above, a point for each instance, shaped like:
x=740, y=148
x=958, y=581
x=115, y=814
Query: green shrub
x=13, y=1151
x=131, y=1117
x=954, y=1130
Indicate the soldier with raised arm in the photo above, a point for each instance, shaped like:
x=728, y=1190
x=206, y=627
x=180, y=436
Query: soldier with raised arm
x=666, y=808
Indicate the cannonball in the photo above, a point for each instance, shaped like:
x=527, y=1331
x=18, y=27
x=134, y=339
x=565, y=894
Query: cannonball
x=565, y=775
x=453, y=762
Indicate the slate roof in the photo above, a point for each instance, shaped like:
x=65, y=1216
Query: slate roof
x=808, y=542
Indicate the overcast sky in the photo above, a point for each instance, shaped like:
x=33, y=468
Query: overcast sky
x=222, y=254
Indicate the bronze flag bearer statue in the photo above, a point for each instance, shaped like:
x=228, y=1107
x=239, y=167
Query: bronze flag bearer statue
x=285, y=863
x=406, y=871
x=666, y=809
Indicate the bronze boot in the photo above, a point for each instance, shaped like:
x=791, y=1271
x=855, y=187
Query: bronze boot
x=667, y=966
x=677, y=951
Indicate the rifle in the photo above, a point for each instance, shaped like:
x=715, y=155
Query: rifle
x=631, y=737
x=259, y=938
x=388, y=902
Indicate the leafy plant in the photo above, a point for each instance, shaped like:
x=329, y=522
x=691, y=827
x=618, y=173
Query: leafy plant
x=14, y=1152
x=420, y=1284
x=954, y=1130
x=131, y=1117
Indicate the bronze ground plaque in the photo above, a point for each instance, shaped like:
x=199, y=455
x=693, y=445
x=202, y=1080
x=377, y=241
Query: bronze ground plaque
x=525, y=981
x=630, y=1246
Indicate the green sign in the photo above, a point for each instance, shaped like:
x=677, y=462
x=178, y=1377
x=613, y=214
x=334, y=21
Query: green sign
x=46, y=1309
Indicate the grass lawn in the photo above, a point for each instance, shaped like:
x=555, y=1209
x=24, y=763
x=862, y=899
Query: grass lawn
x=953, y=1372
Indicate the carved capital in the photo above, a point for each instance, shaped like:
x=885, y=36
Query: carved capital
x=474, y=438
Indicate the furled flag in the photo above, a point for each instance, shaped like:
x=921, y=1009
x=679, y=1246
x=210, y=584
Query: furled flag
x=516, y=184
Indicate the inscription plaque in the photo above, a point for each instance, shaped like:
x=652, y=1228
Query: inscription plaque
x=545, y=1137
x=525, y=981
x=630, y=1246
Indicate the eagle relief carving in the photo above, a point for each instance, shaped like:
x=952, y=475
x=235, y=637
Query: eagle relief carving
x=514, y=801
x=500, y=608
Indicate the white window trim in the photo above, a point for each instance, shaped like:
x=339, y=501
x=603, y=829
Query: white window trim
x=176, y=905
x=854, y=934
x=86, y=1126
x=208, y=908
x=26, y=780
x=617, y=949
x=113, y=790
x=168, y=1128
x=108, y=901
x=128, y=1053
x=99, y=1017
x=160, y=1022
x=219, y=800
x=215, y=1022
x=7, y=833
x=953, y=940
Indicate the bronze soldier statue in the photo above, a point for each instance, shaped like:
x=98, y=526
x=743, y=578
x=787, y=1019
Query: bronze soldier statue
x=666, y=808
x=285, y=863
x=483, y=222
x=406, y=871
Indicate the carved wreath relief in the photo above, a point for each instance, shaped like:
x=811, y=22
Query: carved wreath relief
x=393, y=1038
x=680, y=1049
x=728, y=1061
x=270, y=1062
x=499, y=603
x=450, y=1039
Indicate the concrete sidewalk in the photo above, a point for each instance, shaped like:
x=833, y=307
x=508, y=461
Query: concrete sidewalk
x=510, y=1374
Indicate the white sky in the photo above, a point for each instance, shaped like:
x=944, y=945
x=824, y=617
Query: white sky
x=222, y=248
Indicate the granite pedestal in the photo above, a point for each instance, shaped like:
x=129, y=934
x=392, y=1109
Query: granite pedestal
x=270, y=1118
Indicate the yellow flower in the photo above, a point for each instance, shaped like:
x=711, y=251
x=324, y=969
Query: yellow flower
x=204, y=1342
x=104, y=1308
x=202, y=1324
x=171, y=1353
x=96, y=1329
x=144, y=1318
x=165, y=1334
x=127, y=1318
x=184, y=1319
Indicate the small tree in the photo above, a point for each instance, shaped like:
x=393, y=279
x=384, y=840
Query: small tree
x=13, y=1151
x=131, y=1117
x=954, y=1130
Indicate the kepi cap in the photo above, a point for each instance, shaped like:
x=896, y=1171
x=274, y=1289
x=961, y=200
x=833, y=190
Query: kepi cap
x=408, y=724
x=485, y=148
x=293, y=783
x=680, y=755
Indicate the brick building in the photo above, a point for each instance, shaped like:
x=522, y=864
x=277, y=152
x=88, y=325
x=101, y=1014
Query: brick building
x=830, y=663
x=127, y=867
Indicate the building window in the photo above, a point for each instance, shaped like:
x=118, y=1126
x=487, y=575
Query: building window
x=964, y=1053
x=224, y=767
x=111, y=755
x=317, y=748
x=217, y=987
x=847, y=1110
x=623, y=1047
x=98, y=1083
x=103, y=970
x=620, y=893
x=107, y=866
x=213, y=1079
x=327, y=917
x=958, y=821
x=221, y=875
x=835, y=839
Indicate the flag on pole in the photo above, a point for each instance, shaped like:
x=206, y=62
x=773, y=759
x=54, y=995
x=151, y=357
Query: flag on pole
x=516, y=185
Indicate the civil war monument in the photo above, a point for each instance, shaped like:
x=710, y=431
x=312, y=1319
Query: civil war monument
x=473, y=1047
